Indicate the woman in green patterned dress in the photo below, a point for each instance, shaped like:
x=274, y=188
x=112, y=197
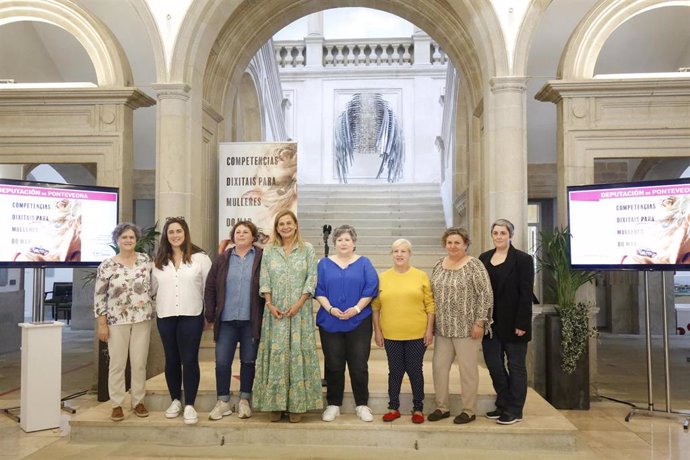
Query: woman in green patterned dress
x=288, y=375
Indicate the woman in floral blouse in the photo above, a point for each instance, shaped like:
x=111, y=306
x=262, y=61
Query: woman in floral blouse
x=124, y=310
x=288, y=377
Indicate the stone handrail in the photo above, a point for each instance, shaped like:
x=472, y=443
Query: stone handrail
x=351, y=53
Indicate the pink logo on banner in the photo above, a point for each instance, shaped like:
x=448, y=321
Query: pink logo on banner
x=37, y=192
x=621, y=193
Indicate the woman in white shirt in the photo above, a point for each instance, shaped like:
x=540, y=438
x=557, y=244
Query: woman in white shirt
x=179, y=276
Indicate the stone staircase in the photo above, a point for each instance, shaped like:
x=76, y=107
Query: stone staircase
x=380, y=215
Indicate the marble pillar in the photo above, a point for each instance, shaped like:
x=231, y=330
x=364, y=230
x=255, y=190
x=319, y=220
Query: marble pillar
x=507, y=159
x=172, y=153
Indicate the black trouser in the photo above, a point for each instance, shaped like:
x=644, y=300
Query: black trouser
x=351, y=348
x=181, y=336
x=509, y=382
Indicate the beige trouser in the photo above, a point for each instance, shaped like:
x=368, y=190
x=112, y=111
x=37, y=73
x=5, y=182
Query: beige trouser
x=121, y=339
x=466, y=349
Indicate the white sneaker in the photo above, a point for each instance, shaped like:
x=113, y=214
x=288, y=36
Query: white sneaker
x=220, y=410
x=245, y=410
x=330, y=413
x=190, y=417
x=364, y=413
x=174, y=409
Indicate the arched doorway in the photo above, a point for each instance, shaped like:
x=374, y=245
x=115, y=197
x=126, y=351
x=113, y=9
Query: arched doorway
x=212, y=59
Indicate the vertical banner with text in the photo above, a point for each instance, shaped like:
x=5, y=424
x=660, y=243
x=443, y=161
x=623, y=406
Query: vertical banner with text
x=256, y=181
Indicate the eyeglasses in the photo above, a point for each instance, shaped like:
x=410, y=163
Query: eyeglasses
x=168, y=219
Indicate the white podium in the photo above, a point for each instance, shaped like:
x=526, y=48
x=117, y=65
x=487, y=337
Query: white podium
x=41, y=389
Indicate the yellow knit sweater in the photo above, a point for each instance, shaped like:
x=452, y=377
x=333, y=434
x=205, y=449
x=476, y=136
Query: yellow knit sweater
x=404, y=300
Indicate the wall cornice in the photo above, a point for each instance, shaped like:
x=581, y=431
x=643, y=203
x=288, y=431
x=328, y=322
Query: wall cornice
x=131, y=97
x=555, y=90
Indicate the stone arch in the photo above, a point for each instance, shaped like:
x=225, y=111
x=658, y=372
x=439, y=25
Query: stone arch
x=216, y=41
x=154, y=35
x=661, y=168
x=530, y=23
x=582, y=50
x=247, y=123
x=105, y=52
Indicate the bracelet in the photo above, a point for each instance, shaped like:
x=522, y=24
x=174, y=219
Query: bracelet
x=358, y=310
x=329, y=310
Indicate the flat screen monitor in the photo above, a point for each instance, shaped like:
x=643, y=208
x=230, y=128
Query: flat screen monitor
x=630, y=226
x=55, y=225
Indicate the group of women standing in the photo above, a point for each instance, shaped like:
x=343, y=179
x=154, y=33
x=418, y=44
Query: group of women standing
x=259, y=298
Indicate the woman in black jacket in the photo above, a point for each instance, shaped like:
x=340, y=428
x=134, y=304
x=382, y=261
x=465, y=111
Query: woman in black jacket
x=233, y=304
x=512, y=277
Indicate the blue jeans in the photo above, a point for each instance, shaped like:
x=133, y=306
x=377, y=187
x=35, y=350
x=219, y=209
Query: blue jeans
x=510, y=383
x=230, y=333
x=181, y=336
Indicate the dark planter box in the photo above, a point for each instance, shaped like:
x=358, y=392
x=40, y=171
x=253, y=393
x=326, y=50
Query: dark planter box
x=564, y=391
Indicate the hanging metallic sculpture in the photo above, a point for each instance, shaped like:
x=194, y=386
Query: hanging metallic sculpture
x=369, y=126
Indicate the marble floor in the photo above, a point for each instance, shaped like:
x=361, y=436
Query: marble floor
x=603, y=432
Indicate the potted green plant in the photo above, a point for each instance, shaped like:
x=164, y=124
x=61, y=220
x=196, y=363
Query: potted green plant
x=568, y=331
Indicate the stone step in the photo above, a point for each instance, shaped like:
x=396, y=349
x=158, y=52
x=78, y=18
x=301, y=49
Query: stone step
x=62, y=449
x=347, y=430
x=375, y=215
x=360, y=222
x=368, y=188
x=158, y=399
x=412, y=233
x=543, y=428
x=355, y=206
x=207, y=349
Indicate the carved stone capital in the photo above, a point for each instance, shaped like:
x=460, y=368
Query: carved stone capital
x=508, y=84
x=172, y=91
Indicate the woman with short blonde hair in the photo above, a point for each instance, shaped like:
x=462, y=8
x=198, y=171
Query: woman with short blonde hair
x=403, y=315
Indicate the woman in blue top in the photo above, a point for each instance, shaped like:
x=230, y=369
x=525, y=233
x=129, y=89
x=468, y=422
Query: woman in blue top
x=346, y=284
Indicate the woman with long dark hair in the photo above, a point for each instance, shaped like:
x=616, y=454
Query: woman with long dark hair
x=179, y=276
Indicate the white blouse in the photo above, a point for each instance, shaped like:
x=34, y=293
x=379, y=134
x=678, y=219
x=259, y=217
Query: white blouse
x=181, y=292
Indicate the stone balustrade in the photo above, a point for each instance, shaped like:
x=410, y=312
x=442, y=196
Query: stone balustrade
x=352, y=53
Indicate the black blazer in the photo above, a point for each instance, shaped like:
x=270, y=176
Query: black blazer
x=513, y=298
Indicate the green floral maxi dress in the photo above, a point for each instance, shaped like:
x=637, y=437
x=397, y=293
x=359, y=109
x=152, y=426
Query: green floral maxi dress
x=288, y=374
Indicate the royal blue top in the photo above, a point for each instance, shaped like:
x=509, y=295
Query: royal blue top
x=344, y=288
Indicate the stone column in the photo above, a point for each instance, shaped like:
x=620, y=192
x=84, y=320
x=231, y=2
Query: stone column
x=174, y=173
x=422, y=48
x=173, y=151
x=314, y=40
x=507, y=156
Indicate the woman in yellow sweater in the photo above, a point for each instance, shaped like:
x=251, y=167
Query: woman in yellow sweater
x=403, y=315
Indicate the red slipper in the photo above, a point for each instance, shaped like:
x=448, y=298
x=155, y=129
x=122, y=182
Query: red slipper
x=391, y=415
